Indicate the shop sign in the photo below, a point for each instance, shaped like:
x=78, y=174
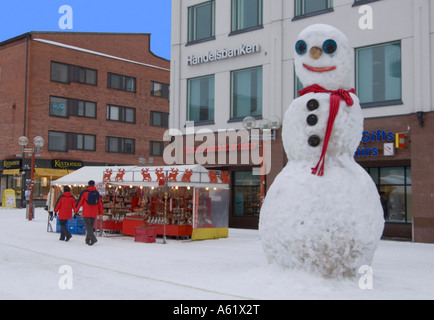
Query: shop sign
x=375, y=136
x=12, y=164
x=66, y=164
x=216, y=55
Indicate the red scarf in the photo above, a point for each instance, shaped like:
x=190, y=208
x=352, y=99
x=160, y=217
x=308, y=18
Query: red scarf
x=335, y=99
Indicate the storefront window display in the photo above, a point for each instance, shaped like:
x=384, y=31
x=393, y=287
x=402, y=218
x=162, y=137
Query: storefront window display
x=246, y=194
x=394, y=185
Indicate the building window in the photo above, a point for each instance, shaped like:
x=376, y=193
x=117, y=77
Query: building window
x=200, y=98
x=122, y=114
x=120, y=145
x=159, y=119
x=156, y=148
x=201, y=22
x=246, y=92
x=66, y=73
x=159, y=90
x=297, y=86
x=246, y=15
x=312, y=7
x=394, y=185
x=65, y=107
x=360, y=2
x=378, y=74
x=246, y=194
x=120, y=82
x=64, y=141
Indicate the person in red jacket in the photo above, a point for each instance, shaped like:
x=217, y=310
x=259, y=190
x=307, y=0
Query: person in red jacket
x=91, y=201
x=65, y=206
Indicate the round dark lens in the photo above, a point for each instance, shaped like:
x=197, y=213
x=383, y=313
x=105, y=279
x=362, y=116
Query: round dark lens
x=329, y=46
x=312, y=104
x=301, y=47
x=314, y=141
x=312, y=120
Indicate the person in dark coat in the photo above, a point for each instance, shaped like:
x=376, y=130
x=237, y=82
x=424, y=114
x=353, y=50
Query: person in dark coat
x=64, y=209
x=90, y=211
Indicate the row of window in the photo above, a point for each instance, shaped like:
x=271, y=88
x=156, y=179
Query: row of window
x=246, y=95
x=65, y=141
x=65, y=107
x=67, y=73
x=378, y=83
x=246, y=15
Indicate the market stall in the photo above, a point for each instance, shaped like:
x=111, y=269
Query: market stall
x=186, y=202
x=178, y=201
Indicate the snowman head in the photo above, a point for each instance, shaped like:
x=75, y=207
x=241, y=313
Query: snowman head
x=324, y=56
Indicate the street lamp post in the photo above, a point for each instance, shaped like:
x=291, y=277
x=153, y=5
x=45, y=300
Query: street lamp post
x=272, y=124
x=39, y=143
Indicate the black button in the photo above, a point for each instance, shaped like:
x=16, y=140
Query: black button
x=314, y=141
x=312, y=104
x=312, y=120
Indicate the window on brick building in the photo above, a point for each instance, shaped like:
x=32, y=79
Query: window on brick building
x=159, y=119
x=65, y=107
x=122, y=114
x=121, y=82
x=64, y=141
x=159, y=89
x=156, y=148
x=66, y=73
x=120, y=145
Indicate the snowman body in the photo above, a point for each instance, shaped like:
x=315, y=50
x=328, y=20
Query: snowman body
x=328, y=224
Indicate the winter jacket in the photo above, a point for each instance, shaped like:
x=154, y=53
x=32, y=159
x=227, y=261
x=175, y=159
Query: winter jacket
x=89, y=210
x=65, y=206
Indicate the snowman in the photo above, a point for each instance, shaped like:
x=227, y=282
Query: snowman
x=322, y=214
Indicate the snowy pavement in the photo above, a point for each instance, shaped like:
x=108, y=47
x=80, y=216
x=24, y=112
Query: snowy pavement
x=33, y=263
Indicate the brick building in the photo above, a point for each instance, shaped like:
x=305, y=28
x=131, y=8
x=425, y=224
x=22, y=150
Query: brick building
x=95, y=98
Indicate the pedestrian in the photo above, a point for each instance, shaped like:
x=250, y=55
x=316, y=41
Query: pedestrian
x=65, y=207
x=91, y=201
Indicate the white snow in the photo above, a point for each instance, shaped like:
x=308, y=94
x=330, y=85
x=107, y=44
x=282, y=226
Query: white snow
x=230, y=269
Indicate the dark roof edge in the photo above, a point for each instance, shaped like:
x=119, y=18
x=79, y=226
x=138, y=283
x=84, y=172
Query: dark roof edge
x=27, y=34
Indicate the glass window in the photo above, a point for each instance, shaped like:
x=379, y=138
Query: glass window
x=58, y=107
x=59, y=72
x=394, y=185
x=306, y=7
x=64, y=107
x=201, y=99
x=120, y=82
x=89, y=142
x=246, y=194
x=159, y=89
x=156, y=148
x=378, y=78
x=201, y=21
x=159, y=119
x=64, y=141
x=246, y=93
x=123, y=114
x=120, y=145
x=246, y=14
x=57, y=141
x=66, y=73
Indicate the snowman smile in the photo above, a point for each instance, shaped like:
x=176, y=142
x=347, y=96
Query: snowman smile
x=319, y=69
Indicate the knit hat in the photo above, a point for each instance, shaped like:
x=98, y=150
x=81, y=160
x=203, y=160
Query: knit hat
x=91, y=183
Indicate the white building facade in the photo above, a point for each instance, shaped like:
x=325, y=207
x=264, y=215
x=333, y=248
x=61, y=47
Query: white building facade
x=235, y=58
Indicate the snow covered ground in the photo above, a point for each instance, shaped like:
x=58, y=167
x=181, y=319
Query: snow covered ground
x=225, y=269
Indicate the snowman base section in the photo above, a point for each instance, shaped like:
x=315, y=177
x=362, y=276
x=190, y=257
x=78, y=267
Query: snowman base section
x=328, y=225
